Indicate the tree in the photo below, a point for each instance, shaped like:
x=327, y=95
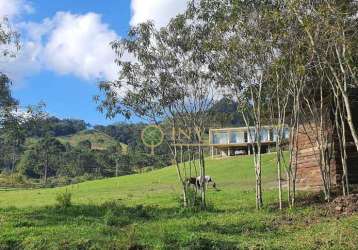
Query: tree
x=86, y=144
x=116, y=154
x=168, y=80
x=224, y=113
x=8, y=38
x=240, y=53
x=49, y=151
x=13, y=134
x=330, y=32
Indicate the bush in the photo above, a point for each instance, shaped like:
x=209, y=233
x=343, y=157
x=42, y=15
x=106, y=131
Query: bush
x=64, y=200
x=112, y=205
x=19, y=178
x=110, y=219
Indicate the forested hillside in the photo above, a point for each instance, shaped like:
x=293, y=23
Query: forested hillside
x=50, y=151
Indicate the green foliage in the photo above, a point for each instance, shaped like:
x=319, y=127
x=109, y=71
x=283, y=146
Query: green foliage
x=56, y=127
x=126, y=133
x=64, y=161
x=9, y=39
x=86, y=144
x=110, y=219
x=90, y=153
x=225, y=114
x=64, y=200
x=6, y=100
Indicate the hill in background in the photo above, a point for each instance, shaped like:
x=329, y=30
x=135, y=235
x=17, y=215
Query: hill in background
x=98, y=139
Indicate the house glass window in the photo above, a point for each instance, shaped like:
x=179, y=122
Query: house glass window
x=237, y=137
x=220, y=138
x=251, y=137
x=286, y=133
x=264, y=135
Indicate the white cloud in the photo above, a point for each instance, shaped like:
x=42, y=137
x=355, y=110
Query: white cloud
x=26, y=62
x=159, y=11
x=14, y=8
x=74, y=44
x=65, y=44
x=80, y=45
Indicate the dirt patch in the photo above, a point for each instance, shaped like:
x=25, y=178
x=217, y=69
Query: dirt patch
x=344, y=205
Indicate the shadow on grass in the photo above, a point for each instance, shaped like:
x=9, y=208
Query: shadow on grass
x=110, y=213
x=316, y=198
x=208, y=244
x=303, y=200
x=244, y=227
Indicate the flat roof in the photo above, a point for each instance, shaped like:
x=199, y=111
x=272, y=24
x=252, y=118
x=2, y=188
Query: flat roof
x=238, y=128
x=244, y=144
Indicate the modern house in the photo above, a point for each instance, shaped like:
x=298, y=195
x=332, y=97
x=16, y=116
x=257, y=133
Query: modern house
x=239, y=141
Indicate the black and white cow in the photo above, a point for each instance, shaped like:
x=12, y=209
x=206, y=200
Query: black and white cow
x=196, y=181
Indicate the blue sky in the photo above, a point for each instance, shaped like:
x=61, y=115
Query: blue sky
x=65, y=49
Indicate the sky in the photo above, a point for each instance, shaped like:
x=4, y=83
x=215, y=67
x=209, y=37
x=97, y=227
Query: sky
x=65, y=49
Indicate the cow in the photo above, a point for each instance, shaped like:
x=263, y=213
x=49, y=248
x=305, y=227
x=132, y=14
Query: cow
x=196, y=181
x=207, y=179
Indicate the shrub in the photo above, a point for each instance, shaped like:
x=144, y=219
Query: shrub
x=110, y=219
x=19, y=178
x=140, y=211
x=112, y=205
x=64, y=200
x=10, y=244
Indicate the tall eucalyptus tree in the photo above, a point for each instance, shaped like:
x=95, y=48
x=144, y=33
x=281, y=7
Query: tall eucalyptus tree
x=163, y=75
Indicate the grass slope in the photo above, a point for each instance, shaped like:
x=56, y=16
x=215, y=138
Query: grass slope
x=99, y=140
x=143, y=210
x=231, y=175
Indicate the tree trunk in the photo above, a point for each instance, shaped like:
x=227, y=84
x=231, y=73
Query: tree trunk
x=117, y=163
x=278, y=155
x=350, y=119
x=202, y=179
x=46, y=169
x=182, y=182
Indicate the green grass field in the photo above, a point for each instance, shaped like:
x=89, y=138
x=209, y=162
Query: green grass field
x=143, y=212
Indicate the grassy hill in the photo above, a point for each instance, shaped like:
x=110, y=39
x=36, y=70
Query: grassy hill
x=231, y=175
x=99, y=140
x=144, y=210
